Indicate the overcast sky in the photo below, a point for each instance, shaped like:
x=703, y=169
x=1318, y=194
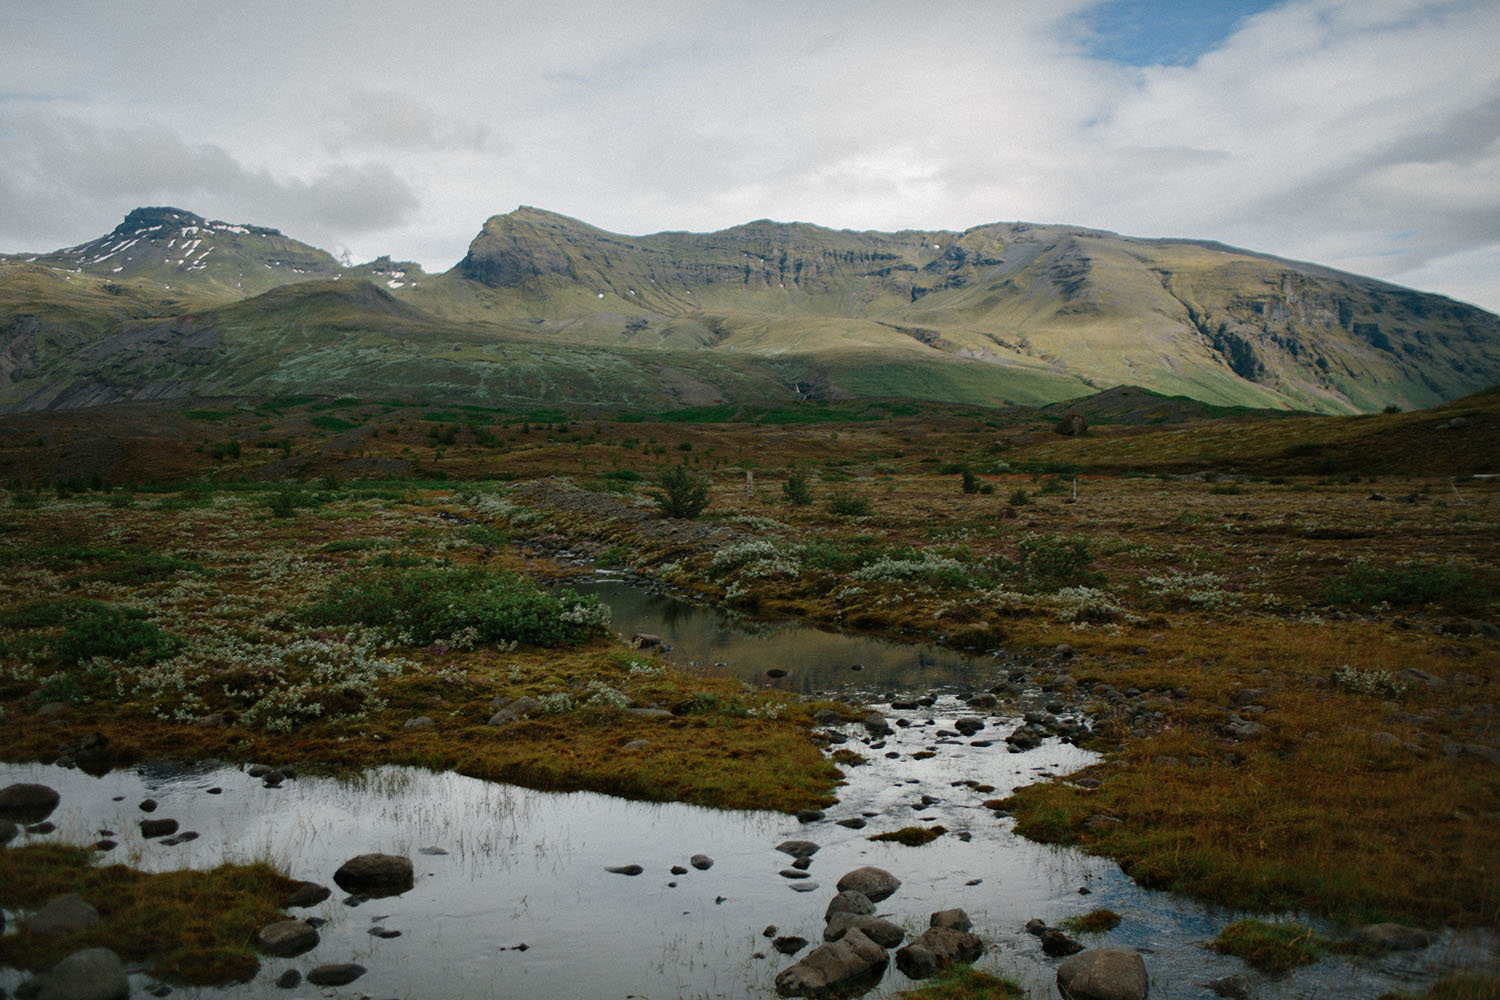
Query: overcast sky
x=1362, y=134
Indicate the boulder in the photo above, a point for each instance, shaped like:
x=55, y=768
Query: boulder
x=1391, y=937
x=875, y=883
x=702, y=862
x=875, y=723
x=158, y=827
x=8, y=831
x=968, y=725
x=515, y=710
x=286, y=938
x=63, y=915
x=798, y=848
x=1057, y=944
x=306, y=894
x=375, y=875
x=1103, y=974
x=1072, y=425
x=936, y=948
x=27, y=803
x=849, y=901
x=91, y=974
x=789, y=944
x=954, y=919
x=883, y=932
x=339, y=974
x=835, y=968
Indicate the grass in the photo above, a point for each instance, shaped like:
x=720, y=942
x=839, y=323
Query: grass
x=964, y=982
x=1479, y=986
x=1093, y=922
x=188, y=927
x=910, y=836
x=1274, y=949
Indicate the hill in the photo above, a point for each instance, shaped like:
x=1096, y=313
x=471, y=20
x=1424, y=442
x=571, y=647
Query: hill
x=547, y=309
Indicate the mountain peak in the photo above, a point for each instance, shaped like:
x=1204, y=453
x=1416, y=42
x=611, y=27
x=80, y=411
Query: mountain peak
x=144, y=219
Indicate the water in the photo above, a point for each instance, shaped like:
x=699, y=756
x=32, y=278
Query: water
x=815, y=659
x=526, y=867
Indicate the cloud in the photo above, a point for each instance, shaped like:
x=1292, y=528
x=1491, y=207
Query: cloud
x=55, y=161
x=391, y=120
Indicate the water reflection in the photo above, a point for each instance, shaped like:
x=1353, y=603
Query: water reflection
x=710, y=638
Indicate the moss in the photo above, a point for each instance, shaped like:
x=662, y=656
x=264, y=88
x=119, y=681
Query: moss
x=964, y=982
x=911, y=836
x=1274, y=949
x=190, y=927
x=1093, y=922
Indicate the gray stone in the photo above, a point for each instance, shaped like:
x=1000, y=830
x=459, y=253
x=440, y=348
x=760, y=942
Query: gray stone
x=789, y=944
x=158, y=827
x=631, y=870
x=1057, y=944
x=420, y=722
x=1391, y=937
x=1235, y=987
x=1103, y=974
x=290, y=979
x=515, y=710
x=27, y=803
x=798, y=848
x=339, y=974
x=968, y=725
x=834, y=967
x=91, y=974
x=954, y=919
x=375, y=875
x=702, y=862
x=286, y=938
x=936, y=948
x=876, y=724
x=883, y=932
x=306, y=894
x=848, y=901
x=875, y=883
x=63, y=915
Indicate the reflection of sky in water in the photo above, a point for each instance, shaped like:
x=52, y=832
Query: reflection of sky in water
x=528, y=867
x=815, y=660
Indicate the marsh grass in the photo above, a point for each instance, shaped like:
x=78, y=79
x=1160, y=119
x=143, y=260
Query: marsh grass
x=1274, y=949
x=188, y=927
x=964, y=982
x=910, y=836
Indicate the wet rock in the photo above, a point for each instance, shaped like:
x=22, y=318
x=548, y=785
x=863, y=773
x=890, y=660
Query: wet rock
x=1103, y=974
x=954, y=920
x=375, y=875
x=802, y=864
x=631, y=870
x=809, y=815
x=63, y=915
x=875, y=723
x=1058, y=944
x=968, y=725
x=1235, y=987
x=679, y=870
x=936, y=948
x=181, y=838
x=290, y=979
x=27, y=803
x=853, y=823
x=91, y=974
x=804, y=886
x=158, y=827
x=874, y=883
x=798, y=848
x=340, y=974
x=147, y=806
x=1024, y=738
x=432, y=852
x=646, y=640
x=793, y=873
x=259, y=770
x=8, y=831
x=1391, y=937
x=838, y=967
x=305, y=895
x=775, y=673
x=848, y=901
x=286, y=938
x=105, y=845
x=883, y=932
x=383, y=932
x=789, y=944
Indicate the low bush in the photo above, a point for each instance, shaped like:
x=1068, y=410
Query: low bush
x=846, y=503
x=114, y=633
x=681, y=492
x=1408, y=585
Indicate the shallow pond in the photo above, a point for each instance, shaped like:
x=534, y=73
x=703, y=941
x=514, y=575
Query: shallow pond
x=528, y=868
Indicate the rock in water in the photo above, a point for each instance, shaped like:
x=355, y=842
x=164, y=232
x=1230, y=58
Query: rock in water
x=849, y=901
x=883, y=932
x=1103, y=974
x=336, y=975
x=286, y=938
x=875, y=883
x=27, y=803
x=1391, y=937
x=936, y=948
x=91, y=974
x=375, y=875
x=838, y=967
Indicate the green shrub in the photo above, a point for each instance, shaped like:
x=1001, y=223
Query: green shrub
x=424, y=604
x=681, y=493
x=970, y=481
x=1052, y=562
x=1408, y=585
x=1019, y=498
x=115, y=633
x=847, y=503
x=796, y=489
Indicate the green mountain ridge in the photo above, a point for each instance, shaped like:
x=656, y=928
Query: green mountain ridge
x=544, y=308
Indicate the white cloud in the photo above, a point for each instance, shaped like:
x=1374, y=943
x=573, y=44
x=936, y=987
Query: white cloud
x=1346, y=131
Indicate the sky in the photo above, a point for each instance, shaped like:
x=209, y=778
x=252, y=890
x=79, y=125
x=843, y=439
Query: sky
x=1360, y=134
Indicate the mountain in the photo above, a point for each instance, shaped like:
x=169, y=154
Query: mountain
x=544, y=308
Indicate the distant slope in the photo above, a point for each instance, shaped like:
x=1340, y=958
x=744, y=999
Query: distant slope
x=547, y=309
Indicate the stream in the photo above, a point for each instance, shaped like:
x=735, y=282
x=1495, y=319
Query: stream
x=500, y=866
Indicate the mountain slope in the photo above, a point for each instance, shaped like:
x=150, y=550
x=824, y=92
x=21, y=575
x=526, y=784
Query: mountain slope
x=547, y=309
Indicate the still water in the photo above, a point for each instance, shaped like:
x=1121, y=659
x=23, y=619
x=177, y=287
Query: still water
x=528, y=868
